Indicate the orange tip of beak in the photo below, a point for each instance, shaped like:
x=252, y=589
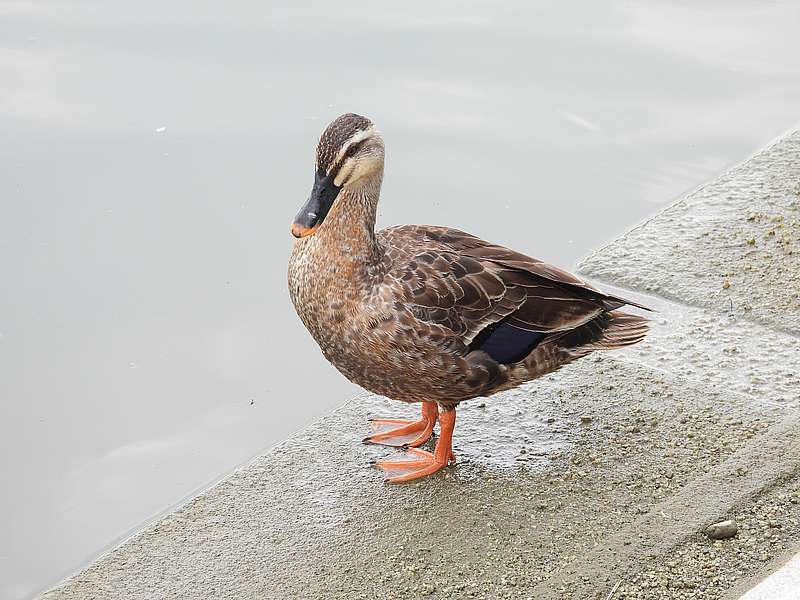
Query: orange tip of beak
x=299, y=231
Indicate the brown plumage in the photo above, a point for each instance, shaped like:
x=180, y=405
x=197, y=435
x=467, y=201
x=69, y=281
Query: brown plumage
x=430, y=314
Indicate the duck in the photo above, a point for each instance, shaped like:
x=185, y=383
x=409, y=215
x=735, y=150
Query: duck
x=430, y=314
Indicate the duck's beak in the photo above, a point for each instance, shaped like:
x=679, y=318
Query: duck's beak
x=316, y=207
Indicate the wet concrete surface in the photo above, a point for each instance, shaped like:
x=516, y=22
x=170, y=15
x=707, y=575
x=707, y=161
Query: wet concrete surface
x=724, y=350
x=598, y=480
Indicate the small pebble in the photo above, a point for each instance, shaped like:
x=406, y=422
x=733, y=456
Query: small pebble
x=722, y=530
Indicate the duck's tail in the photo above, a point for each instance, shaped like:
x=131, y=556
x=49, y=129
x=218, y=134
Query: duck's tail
x=612, y=329
x=623, y=330
x=608, y=330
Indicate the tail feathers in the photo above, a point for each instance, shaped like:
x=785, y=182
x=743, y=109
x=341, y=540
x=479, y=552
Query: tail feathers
x=623, y=329
x=608, y=330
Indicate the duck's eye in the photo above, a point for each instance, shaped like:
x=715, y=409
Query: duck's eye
x=351, y=150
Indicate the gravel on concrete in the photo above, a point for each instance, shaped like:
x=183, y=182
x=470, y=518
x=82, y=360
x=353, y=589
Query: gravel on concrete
x=764, y=462
x=703, y=569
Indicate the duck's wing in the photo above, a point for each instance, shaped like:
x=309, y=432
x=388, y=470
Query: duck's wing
x=472, y=287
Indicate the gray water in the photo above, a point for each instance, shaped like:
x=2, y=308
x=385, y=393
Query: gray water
x=154, y=153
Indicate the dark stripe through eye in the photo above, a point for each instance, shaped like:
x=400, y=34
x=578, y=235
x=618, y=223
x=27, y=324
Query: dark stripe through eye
x=352, y=150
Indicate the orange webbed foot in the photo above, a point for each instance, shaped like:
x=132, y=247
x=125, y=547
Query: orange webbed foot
x=422, y=463
x=409, y=433
x=419, y=464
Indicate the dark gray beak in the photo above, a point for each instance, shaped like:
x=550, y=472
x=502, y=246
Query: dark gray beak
x=316, y=207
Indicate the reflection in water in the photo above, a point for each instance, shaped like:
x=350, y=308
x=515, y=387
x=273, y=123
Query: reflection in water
x=155, y=153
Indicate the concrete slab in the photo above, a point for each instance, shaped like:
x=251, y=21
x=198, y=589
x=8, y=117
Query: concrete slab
x=535, y=489
x=733, y=245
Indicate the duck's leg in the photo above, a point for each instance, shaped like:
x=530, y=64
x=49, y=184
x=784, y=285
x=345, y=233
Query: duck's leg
x=425, y=463
x=410, y=433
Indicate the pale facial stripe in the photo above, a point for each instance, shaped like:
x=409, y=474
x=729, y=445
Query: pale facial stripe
x=359, y=136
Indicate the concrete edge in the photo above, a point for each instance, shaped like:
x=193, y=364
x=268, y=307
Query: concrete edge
x=770, y=569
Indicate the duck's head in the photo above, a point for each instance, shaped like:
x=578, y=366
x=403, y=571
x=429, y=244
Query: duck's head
x=349, y=152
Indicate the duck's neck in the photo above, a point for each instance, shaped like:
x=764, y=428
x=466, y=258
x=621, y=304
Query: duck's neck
x=349, y=229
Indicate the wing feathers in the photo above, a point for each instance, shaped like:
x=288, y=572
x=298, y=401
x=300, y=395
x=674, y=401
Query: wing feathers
x=459, y=281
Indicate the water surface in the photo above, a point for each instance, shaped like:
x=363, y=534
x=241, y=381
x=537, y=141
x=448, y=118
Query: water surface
x=154, y=153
